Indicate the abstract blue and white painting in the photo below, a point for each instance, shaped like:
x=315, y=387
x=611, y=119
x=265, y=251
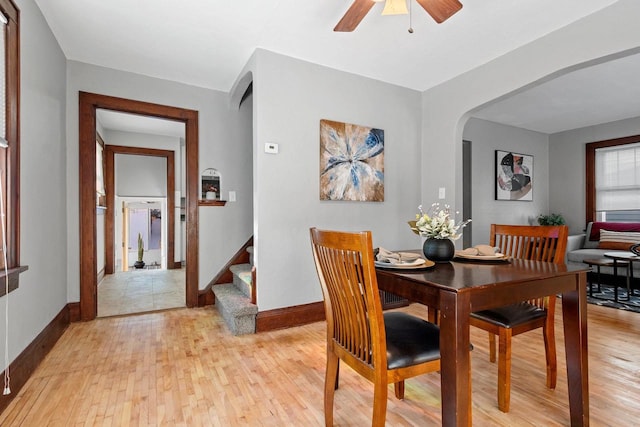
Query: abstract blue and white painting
x=351, y=162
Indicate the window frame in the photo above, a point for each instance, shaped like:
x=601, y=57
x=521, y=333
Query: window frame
x=10, y=156
x=590, y=169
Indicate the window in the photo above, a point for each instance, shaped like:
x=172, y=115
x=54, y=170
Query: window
x=9, y=125
x=613, y=180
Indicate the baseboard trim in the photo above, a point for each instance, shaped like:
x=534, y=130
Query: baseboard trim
x=26, y=363
x=289, y=316
x=74, y=311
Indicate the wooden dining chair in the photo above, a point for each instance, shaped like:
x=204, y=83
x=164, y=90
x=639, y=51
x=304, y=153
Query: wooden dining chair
x=541, y=243
x=385, y=348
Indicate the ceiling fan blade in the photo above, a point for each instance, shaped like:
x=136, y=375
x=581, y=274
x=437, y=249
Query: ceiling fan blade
x=441, y=10
x=354, y=15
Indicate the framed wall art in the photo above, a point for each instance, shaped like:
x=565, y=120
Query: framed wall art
x=351, y=162
x=514, y=176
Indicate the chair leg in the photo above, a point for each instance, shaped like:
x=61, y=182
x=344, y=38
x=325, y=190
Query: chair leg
x=399, y=389
x=504, y=370
x=330, y=383
x=548, y=332
x=379, y=403
x=492, y=348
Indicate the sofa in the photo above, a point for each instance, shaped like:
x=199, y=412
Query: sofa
x=602, y=237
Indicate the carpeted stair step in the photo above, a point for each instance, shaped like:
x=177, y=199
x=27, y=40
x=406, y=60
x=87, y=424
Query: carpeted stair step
x=242, y=278
x=236, y=309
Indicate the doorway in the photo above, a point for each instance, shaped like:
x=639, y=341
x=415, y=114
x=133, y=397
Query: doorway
x=467, y=235
x=113, y=151
x=89, y=103
x=142, y=239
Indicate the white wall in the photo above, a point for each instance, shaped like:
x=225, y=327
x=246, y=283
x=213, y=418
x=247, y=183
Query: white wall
x=567, y=167
x=43, y=232
x=290, y=99
x=487, y=137
x=223, y=230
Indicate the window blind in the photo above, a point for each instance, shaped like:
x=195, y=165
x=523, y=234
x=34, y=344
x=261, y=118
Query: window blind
x=618, y=178
x=3, y=78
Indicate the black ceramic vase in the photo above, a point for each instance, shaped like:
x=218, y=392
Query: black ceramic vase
x=439, y=250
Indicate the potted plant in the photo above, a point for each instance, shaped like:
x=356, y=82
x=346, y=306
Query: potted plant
x=552, y=219
x=140, y=263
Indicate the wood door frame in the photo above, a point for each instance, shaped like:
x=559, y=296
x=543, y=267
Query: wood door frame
x=88, y=104
x=110, y=219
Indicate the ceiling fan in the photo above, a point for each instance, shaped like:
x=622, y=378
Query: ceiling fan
x=440, y=11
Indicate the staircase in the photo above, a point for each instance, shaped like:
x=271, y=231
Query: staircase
x=236, y=301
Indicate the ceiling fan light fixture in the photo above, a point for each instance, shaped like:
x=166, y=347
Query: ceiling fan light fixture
x=395, y=7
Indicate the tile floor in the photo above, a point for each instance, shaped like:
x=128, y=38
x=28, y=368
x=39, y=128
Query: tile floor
x=140, y=291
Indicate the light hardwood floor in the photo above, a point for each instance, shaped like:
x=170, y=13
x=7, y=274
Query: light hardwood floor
x=183, y=368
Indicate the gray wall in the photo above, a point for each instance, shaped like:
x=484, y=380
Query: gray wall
x=140, y=176
x=290, y=99
x=43, y=234
x=487, y=137
x=567, y=167
x=143, y=140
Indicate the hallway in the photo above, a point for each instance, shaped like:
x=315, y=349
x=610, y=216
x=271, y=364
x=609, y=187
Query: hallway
x=139, y=291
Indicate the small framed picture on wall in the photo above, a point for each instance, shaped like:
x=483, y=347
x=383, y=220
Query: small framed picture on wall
x=514, y=176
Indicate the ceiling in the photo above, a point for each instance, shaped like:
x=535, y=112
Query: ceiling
x=207, y=43
x=599, y=94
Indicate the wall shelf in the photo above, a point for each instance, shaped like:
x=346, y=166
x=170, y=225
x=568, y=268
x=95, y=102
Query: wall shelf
x=212, y=202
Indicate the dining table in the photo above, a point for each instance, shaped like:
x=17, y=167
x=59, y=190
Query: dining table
x=457, y=288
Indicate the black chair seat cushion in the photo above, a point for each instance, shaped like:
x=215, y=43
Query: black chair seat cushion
x=512, y=315
x=410, y=340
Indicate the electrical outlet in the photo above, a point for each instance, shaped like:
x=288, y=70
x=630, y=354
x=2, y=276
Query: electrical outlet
x=232, y=196
x=441, y=193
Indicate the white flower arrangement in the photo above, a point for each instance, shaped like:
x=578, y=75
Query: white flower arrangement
x=437, y=223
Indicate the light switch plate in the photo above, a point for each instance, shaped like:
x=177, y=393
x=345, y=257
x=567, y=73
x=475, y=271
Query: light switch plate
x=441, y=193
x=232, y=196
x=271, y=148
